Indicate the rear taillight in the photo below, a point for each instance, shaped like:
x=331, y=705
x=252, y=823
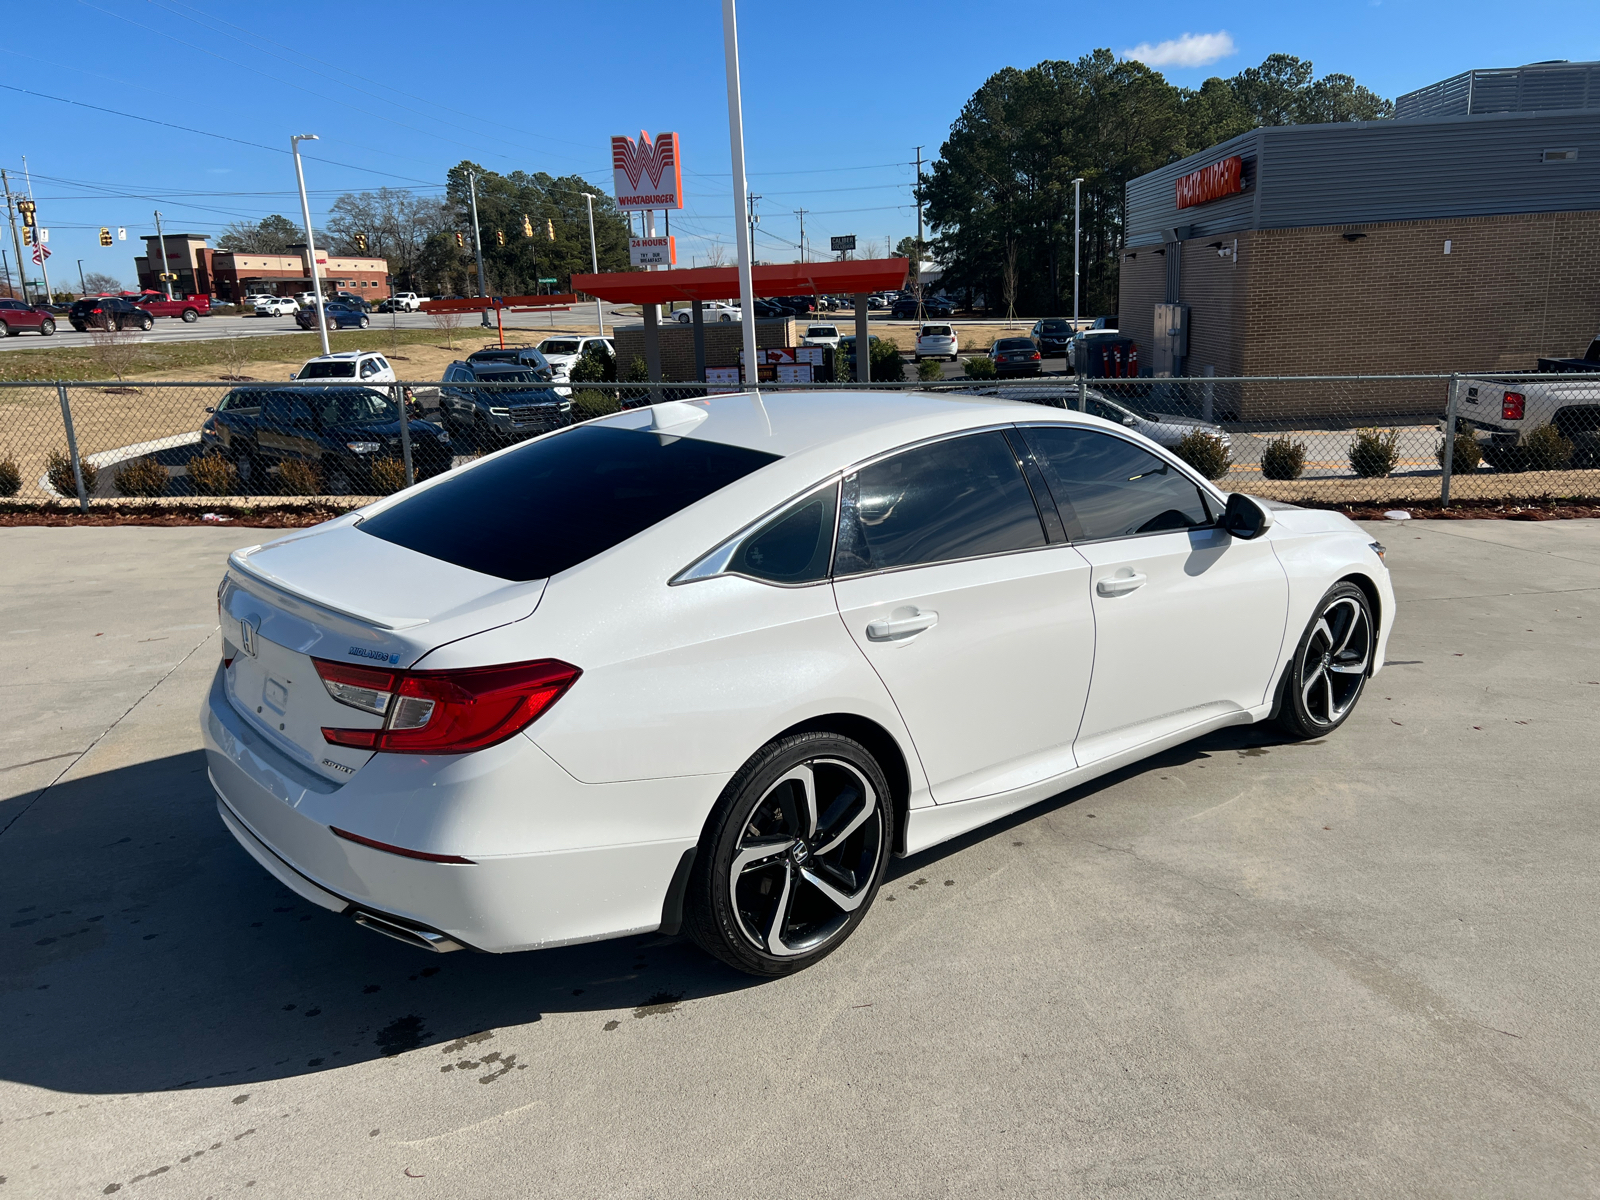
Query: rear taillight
x=1512, y=406
x=443, y=712
x=1035, y=354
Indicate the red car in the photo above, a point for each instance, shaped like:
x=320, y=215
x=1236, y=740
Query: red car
x=15, y=316
x=187, y=308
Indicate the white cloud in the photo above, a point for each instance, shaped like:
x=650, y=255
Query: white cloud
x=1190, y=50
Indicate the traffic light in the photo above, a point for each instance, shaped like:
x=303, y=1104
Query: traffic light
x=550, y=228
x=361, y=242
x=500, y=236
x=527, y=226
x=460, y=241
x=27, y=208
x=105, y=236
x=27, y=236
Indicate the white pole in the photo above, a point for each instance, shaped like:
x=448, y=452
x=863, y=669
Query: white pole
x=1077, y=241
x=477, y=243
x=594, y=261
x=311, y=242
x=44, y=259
x=747, y=307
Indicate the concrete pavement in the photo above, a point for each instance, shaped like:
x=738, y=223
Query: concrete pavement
x=1362, y=966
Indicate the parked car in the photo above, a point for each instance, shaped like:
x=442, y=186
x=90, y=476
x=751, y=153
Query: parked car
x=336, y=314
x=1077, y=348
x=17, y=317
x=354, y=300
x=530, y=357
x=936, y=341
x=1014, y=356
x=108, y=312
x=1164, y=429
x=768, y=310
x=275, y=306
x=879, y=300
x=522, y=406
x=407, y=301
x=306, y=299
x=1501, y=416
x=711, y=310
x=365, y=366
x=563, y=353
x=1052, y=335
x=343, y=430
x=847, y=347
x=188, y=309
x=1105, y=322
x=821, y=335
x=904, y=308
x=797, y=306
x=619, y=679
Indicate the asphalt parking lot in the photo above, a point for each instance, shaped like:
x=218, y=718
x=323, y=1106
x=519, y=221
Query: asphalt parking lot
x=1363, y=966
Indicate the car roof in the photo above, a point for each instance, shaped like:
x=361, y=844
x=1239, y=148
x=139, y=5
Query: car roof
x=339, y=355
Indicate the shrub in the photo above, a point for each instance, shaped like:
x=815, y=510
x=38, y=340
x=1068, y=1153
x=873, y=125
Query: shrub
x=884, y=362
x=388, y=475
x=979, y=366
x=1205, y=452
x=1465, y=457
x=1283, y=459
x=58, y=471
x=588, y=403
x=213, y=475
x=10, y=477
x=598, y=365
x=1546, y=450
x=1373, y=453
x=142, y=477
x=928, y=370
x=300, y=478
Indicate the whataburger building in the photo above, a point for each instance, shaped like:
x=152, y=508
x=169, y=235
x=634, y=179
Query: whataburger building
x=1463, y=235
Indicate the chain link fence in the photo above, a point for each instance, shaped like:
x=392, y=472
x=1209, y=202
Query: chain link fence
x=1318, y=440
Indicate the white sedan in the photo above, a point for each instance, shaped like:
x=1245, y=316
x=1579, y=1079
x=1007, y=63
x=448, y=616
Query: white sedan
x=712, y=311
x=275, y=306
x=709, y=665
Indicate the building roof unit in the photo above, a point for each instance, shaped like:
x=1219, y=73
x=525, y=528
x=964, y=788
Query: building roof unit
x=1537, y=87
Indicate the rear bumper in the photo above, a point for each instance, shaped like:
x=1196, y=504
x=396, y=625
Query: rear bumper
x=553, y=861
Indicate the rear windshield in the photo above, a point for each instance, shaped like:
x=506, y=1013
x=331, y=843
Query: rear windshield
x=936, y=331
x=552, y=346
x=1013, y=344
x=556, y=502
x=328, y=370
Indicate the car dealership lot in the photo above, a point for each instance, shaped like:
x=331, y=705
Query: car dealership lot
x=1356, y=966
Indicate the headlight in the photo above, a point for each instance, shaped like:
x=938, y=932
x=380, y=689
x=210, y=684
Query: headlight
x=443, y=437
x=365, y=447
x=499, y=412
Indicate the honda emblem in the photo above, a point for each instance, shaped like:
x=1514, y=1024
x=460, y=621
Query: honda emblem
x=247, y=637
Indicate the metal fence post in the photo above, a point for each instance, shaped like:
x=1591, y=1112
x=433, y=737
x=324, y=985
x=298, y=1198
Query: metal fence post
x=1208, y=394
x=1447, y=458
x=405, y=432
x=72, y=447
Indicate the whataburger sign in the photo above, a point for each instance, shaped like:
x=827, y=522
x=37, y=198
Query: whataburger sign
x=1225, y=178
x=646, y=174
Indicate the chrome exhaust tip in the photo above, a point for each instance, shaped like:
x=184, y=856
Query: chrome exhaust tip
x=426, y=939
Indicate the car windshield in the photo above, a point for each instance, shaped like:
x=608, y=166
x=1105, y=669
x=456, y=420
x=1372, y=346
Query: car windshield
x=558, y=346
x=363, y=407
x=553, y=503
x=328, y=370
x=822, y=331
x=1054, y=327
x=1013, y=344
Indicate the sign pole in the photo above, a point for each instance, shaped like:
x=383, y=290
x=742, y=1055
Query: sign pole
x=477, y=242
x=311, y=246
x=1077, y=244
x=594, y=262
x=747, y=307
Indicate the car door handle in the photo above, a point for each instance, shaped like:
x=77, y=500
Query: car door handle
x=889, y=629
x=1119, y=585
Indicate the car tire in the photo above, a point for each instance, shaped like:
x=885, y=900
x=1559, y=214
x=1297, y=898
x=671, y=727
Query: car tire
x=776, y=884
x=6, y=330
x=190, y=316
x=1331, y=663
x=725, y=319
x=365, y=322
x=47, y=328
x=331, y=323
x=147, y=324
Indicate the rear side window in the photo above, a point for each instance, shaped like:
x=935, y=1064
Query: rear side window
x=1111, y=488
x=328, y=370
x=556, y=502
x=795, y=546
x=960, y=498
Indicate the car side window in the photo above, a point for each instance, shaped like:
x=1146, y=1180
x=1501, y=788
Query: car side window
x=1111, y=488
x=369, y=368
x=793, y=547
x=962, y=497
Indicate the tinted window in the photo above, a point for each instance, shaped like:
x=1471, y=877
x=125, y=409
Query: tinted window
x=551, y=504
x=551, y=346
x=328, y=370
x=354, y=407
x=287, y=412
x=793, y=547
x=1013, y=344
x=1055, y=327
x=958, y=498
x=1112, y=488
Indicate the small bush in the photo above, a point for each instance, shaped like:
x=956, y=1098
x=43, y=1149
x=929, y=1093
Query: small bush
x=979, y=366
x=1546, y=450
x=598, y=365
x=58, y=471
x=1373, y=453
x=213, y=475
x=388, y=475
x=884, y=362
x=10, y=477
x=1283, y=459
x=588, y=403
x=1465, y=457
x=300, y=478
x=142, y=477
x=1205, y=453
x=928, y=370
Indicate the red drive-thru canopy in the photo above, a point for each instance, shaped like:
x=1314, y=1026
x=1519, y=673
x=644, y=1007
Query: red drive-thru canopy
x=722, y=283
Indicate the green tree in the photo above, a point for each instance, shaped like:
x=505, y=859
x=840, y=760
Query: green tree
x=270, y=235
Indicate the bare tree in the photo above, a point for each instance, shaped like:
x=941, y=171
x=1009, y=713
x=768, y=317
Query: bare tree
x=97, y=281
x=1009, y=281
x=114, y=349
x=447, y=323
x=237, y=351
x=716, y=254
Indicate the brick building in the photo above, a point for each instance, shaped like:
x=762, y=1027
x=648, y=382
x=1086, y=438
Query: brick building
x=724, y=342
x=1454, y=243
x=231, y=275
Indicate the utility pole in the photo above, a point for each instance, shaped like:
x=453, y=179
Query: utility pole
x=755, y=219
x=801, y=213
x=161, y=245
x=747, y=307
x=477, y=241
x=5, y=264
x=16, y=238
x=1077, y=241
x=594, y=262
x=82, y=286
x=39, y=247
x=916, y=261
x=311, y=245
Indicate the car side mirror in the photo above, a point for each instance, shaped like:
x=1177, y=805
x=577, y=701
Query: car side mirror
x=210, y=409
x=1130, y=422
x=1246, y=517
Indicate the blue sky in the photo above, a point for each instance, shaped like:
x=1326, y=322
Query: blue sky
x=836, y=98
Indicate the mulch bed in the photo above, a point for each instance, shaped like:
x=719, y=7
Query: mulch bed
x=1477, y=510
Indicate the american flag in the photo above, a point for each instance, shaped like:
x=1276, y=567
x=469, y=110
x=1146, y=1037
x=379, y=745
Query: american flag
x=40, y=253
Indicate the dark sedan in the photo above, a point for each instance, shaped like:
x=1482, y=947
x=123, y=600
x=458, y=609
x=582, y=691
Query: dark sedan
x=1052, y=335
x=108, y=312
x=1014, y=356
x=337, y=315
x=16, y=317
x=932, y=306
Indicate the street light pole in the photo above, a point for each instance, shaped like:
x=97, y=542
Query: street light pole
x=916, y=265
x=477, y=241
x=594, y=262
x=747, y=307
x=82, y=286
x=1077, y=242
x=311, y=242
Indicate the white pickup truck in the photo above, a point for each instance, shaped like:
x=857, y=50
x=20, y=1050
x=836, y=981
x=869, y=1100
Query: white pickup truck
x=1502, y=413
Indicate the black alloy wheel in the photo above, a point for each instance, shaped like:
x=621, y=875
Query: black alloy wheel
x=1330, y=666
x=792, y=855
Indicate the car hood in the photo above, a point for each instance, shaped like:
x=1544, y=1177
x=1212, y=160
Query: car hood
x=501, y=398
x=357, y=432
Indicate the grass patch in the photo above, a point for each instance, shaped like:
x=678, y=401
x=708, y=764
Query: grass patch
x=81, y=363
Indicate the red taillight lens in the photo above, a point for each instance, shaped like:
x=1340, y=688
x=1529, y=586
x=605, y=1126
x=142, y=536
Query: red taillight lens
x=1512, y=406
x=1035, y=354
x=444, y=712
